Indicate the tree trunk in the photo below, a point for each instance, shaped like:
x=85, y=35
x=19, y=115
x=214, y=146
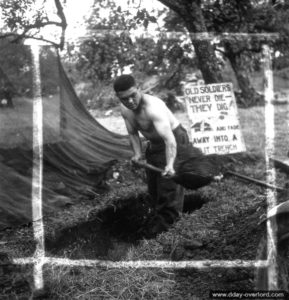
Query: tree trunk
x=194, y=20
x=248, y=96
x=206, y=57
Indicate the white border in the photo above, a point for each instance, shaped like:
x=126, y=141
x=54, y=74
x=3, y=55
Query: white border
x=270, y=171
x=136, y=264
x=39, y=258
x=37, y=173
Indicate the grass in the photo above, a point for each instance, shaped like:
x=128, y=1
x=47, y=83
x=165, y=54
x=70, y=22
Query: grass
x=226, y=224
x=88, y=283
x=252, y=124
x=16, y=124
x=102, y=283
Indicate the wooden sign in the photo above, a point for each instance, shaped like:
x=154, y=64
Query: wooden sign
x=213, y=115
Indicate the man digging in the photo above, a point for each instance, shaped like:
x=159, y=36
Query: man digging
x=149, y=115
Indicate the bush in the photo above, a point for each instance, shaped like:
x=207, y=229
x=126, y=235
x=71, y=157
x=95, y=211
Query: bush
x=98, y=96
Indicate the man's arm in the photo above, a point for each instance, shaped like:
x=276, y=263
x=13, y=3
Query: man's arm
x=134, y=139
x=161, y=123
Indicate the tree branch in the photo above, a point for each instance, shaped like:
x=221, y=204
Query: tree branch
x=43, y=24
x=172, y=4
x=39, y=23
x=219, y=50
x=63, y=25
x=25, y=36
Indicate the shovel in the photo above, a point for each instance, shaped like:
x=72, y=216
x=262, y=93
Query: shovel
x=197, y=176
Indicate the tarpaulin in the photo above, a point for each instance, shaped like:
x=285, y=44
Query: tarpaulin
x=77, y=150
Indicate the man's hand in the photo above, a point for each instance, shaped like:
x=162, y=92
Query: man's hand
x=169, y=171
x=136, y=158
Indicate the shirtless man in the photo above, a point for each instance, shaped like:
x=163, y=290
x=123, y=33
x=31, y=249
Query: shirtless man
x=149, y=115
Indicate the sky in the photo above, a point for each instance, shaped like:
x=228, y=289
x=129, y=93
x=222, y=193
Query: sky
x=75, y=13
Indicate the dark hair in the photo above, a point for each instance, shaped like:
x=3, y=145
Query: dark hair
x=123, y=83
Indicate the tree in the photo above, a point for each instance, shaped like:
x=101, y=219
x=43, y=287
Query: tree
x=15, y=62
x=103, y=54
x=192, y=16
x=244, y=16
x=243, y=53
x=25, y=18
x=251, y=17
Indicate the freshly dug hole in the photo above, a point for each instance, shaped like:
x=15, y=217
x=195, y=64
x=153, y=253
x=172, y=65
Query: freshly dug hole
x=193, y=201
x=107, y=234
x=111, y=231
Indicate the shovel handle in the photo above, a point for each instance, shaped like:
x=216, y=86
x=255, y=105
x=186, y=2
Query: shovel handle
x=258, y=182
x=148, y=166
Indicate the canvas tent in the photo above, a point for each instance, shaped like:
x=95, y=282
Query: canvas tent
x=77, y=150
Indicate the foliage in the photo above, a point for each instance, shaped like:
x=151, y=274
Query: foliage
x=26, y=18
x=248, y=17
x=96, y=96
x=20, y=15
x=49, y=71
x=102, y=56
x=108, y=52
x=244, y=52
x=15, y=61
x=281, y=45
x=192, y=16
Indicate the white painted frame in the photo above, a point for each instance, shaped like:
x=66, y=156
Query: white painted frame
x=39, y=259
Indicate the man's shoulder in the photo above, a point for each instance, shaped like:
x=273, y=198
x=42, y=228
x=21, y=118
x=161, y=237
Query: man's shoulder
x=150, y=97
x=152, y=100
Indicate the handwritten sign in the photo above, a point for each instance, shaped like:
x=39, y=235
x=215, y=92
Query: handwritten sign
x=213, y=116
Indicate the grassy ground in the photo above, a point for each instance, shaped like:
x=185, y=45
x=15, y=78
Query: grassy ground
x=16, y=124
x=253, y=124
x=226, y=225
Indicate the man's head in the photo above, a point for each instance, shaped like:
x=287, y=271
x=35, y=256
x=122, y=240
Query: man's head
x=127, y=91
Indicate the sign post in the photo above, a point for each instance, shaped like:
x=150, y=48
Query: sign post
x=213, y=116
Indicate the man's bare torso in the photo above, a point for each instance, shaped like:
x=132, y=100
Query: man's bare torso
x=142, y=120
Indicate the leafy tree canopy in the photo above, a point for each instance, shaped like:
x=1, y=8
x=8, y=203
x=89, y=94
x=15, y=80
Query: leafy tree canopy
x=102, y=55
x=27, y=18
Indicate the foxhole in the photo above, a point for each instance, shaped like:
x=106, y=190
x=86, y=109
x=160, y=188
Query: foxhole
x=110, y=232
